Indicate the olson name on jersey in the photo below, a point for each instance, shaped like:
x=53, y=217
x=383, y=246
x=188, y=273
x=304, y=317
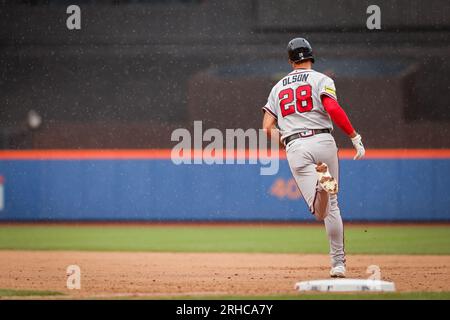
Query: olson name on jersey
x=302, y=77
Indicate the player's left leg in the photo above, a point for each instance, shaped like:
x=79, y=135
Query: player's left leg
x=327, y=206
x=335, y=232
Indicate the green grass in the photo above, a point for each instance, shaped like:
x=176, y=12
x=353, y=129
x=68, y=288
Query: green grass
x=276, y=239
x=315, y=296
x=323, y=296
x=27, y=293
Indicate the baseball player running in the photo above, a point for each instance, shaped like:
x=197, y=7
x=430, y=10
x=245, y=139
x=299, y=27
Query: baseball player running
x=302, y=106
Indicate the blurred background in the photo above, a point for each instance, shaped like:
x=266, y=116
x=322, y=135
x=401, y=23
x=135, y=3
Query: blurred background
x=86, y=118
x=138, y=69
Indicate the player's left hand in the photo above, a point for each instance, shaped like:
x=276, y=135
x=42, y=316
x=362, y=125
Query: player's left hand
x=357, y=143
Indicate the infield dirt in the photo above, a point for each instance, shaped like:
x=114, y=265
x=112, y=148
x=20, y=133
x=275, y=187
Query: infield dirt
x=110, y=274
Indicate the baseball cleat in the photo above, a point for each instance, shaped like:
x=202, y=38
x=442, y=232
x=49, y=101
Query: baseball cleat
x=326, y=181
x=337, y=272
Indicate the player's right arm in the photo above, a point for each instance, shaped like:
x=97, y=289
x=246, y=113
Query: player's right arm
x=270, y=119
x=269, y=123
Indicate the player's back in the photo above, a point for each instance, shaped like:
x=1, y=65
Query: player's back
x=296, y=101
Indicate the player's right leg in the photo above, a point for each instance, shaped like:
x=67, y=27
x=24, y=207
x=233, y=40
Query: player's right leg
x=303, y=170
x=326, y=181
x=326, y=185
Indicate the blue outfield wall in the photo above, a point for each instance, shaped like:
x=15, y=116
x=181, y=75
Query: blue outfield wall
x=373, y=189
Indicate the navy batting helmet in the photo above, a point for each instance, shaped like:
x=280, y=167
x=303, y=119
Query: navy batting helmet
x=299, y=49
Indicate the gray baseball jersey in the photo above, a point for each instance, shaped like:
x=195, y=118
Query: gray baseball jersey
x=295, y=101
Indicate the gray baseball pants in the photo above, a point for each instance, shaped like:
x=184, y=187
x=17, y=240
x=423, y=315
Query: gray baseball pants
x=303, y=154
